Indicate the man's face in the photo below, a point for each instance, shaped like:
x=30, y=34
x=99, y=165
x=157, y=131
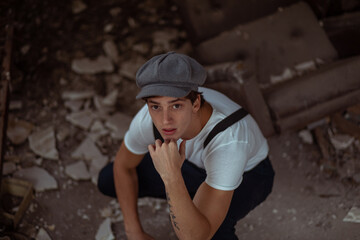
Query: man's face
x=173, y=116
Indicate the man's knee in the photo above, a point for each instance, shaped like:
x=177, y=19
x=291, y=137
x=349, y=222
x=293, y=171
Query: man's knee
x=105, y=181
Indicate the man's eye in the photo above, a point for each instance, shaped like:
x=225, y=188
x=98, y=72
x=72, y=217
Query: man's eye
x=154, y=107
x=176, y=106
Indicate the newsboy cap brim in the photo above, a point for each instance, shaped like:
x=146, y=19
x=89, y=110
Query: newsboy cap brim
x=170, y=74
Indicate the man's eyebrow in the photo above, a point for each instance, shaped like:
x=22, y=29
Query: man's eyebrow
x=172, y=101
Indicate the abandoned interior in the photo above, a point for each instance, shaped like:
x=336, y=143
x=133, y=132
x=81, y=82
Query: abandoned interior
x=67, y=97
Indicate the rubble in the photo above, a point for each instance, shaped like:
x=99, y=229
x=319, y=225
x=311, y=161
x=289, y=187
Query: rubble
x=18, y=130
x=104, y=231
x=118, y=123
x=39, y=177
x=82, y=119
x=42, y=235
x=111, y=50
x=353, y=215
x=88, y=66
x=43, y=143
x=74, y=105
x=129, y=68
x=78, y=6
x=77, y=171
x=306, y=136
x=77, y=95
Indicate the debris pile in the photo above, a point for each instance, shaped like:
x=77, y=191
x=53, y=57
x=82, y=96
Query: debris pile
x=338, y=139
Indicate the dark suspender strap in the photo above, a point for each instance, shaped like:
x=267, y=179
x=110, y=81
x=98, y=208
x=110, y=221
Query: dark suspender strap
x=157, y=135
x=225, y=123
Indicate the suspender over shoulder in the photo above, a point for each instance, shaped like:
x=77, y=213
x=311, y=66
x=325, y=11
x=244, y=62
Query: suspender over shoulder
x=219, y=127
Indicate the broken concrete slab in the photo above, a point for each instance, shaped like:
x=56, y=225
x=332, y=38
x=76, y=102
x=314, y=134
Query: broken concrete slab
x=88, y=66
x=39, y=177
x=43, y=143
x=129, y=68
x=82, y=119
x=306, y=136
x=77, y=95
x=74, y=105
x=119, y=123
x=104, y=231
x=77, y=171
x=204, y=19
x=18, y=130
x=111, y=98
x=271, y=44
x=87, y=150
x=42, y=235
x=353, y=215
x=111, y=50
x=97, y=130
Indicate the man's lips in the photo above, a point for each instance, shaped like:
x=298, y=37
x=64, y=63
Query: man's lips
x=169, y=131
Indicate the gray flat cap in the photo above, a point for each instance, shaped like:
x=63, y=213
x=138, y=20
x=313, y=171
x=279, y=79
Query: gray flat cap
x=170, y=74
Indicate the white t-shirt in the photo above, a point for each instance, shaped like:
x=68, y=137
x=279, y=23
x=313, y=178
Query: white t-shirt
x=229, y=154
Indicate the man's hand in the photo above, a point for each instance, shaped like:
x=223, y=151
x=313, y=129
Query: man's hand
x=167, y=158
x=139, y=236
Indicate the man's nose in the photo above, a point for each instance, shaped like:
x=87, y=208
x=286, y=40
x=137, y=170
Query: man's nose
x=166, y=117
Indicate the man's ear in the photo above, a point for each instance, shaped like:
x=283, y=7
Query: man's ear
x=197, y=104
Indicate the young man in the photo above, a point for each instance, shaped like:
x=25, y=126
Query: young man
x=211, y=171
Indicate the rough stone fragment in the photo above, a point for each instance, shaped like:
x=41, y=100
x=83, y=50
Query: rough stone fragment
x=77, y=171
x=119, y=124
x=128, y=69
x=42, y=235
x=74, y=105
x=18, y=130
x=111, y=98
x=353, y=215
x=306, y=136
x=82, y=119
x=162, y=40
x=88, y=151
x=77, y=95
x=39, y=177
x=88, y=66
x=104, y=231
x=43, y=143
x=111, y=50
x=78, y=6
x=341, y=141
x=8, y=168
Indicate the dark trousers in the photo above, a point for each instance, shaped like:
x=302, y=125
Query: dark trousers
x=255, y=187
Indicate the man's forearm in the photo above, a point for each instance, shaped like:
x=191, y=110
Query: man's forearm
x=187, y=220
x=126, y=184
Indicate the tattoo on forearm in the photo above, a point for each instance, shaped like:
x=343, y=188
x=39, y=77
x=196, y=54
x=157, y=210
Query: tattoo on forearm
x=172, y=215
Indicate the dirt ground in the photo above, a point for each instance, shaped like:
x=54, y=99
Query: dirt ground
x=306, y=203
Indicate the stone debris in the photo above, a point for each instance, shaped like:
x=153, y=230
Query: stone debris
x=111, y=98
x=101, y=107
x=62, y=133
x=77, y=95
x=305, y=67
x=341, y=141
x=285, y=75
x=43, y=143
x=8, y=168
x=97, y=130
x=104, y=232
x=306, y=136
x=18, y=130
x=119, y=124
x=163, y=40
x=42, y=235
x=39, y=177
x=111, y=50
x=89, y=151
x=129, y=68
x=88, y=66
x=74, y=105
x=77, y=171
x=353, y=215
x=82, y=119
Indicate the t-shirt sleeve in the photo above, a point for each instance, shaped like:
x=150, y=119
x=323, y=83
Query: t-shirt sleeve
x=225, y=165
x=140, y=133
